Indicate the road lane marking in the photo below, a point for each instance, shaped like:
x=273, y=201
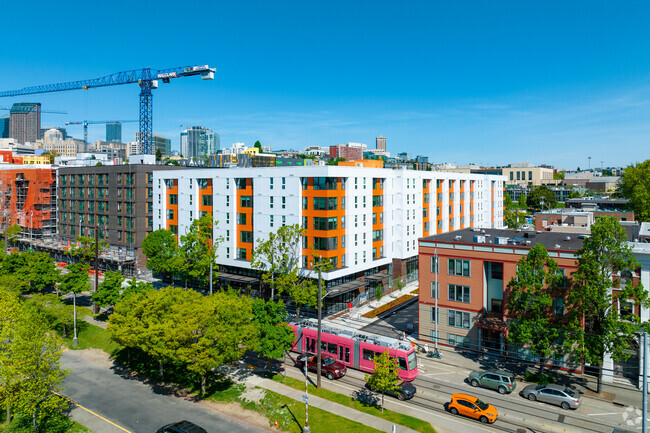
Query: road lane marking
x=93, y=413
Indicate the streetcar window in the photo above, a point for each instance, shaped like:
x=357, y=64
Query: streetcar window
x=402, y=363
x=347, y=354
x=323, y=346
x=368, y=355
x=331, y=348
x=341, y=352
x=413, y=361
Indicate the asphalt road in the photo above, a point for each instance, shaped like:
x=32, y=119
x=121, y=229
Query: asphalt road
x=116, y=403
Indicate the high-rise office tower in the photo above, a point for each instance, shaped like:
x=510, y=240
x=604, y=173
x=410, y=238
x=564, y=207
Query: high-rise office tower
x=159, y=143
x=114, y=132
x=4, y=127
x=25, y=122
x=381, y=143
x=197, y=142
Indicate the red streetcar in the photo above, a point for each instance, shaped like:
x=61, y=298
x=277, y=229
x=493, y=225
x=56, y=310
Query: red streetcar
x=355, y=349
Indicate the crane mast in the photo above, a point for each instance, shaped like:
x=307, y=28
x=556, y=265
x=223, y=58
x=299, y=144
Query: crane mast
x=146, y=78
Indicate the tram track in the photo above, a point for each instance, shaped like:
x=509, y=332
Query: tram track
x=434, y=394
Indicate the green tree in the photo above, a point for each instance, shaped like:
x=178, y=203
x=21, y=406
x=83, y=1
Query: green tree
x=507, y=201
x=274, y=336
x=278, y=255
x=596, y=324
x=158, y=154
x=379, y=291
x=523, y=203
x=109, y=291
x=541, y=198
x=635, y=186
x=161, y=248
x=13, y=284
x=13, y=232
x=84, y=249
x=198, y=251
x=335, y=161
x=208, y=337
x=531, y=301
x=30, y=368
x=558, y=175
x=258, y=145
x=384, y=377
x=513, y=218
x=54, y=311
x=75, y=282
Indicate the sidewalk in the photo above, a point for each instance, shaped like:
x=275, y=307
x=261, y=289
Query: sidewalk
x=327, y=405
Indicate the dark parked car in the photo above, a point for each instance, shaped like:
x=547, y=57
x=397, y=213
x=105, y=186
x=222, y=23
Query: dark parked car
x=405, y=390
x=553, y=394
x=502, y=381
x=181, y=427
x=330, y=366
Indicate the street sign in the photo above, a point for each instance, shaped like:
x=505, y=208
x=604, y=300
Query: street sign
x=305, y=398
x=350, y=305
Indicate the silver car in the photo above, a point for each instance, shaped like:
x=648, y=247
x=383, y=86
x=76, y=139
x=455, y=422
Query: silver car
x=554, y=394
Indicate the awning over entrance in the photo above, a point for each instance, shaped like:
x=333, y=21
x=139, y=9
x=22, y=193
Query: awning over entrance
x=238, y=278
x=377, y=277
x=346, y=287
x=492, y=323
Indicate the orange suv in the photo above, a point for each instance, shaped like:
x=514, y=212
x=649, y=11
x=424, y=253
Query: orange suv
x=472, y=407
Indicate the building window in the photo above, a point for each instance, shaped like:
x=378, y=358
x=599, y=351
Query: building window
x=458, y=319
x=304, y=203
x=271, y=221
x=284, y=182
x=558, y=306
x=458, y=293
x=227, y=252
x=284, y=220
x=173, y=199
x=246, y=237
x=459, y=341
x=246, y=201
x=241, y=183
x=227, y=235
x=271, y=183
x=325, y=244
x=435, y=289
x=241, y=218
x=170, y=214
x=206, y=200
x=241, y=253
x=284, y=202
x=435, y=315
x=459, y=267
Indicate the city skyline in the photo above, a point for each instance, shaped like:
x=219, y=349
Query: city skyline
x=459, y=83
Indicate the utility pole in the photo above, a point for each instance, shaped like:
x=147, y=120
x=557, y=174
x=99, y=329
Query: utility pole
x=644, y=412
x=307, y=429
x=95, y=306
x=435, y=285
x=320, y=280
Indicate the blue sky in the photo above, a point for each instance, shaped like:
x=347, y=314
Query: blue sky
x=463, y=82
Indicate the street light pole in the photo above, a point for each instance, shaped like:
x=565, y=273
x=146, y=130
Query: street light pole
x=306, y=429
x=318, y=366
x=435, y=284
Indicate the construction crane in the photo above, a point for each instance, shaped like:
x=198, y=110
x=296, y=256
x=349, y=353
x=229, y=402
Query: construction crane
x=146, y=78
x=85, y=123
x=23, y=109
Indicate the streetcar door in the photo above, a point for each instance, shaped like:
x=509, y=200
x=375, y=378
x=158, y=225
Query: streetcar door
x=355, y=354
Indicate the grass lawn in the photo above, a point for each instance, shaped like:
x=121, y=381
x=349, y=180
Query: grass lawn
x=289, y=413
x=394, y=417
x=91, y=336
x=57, y=423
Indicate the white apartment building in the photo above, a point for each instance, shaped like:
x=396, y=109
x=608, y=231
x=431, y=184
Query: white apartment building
x=366, y=220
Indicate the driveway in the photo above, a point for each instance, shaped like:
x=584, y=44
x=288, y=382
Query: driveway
x=113, y=403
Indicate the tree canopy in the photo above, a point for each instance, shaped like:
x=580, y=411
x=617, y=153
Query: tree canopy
x=599, y=323
x=531, y=300
x=274, y=336
x=384, y=377
x=161, y=248
x=84, y=249
x=109, y=291
x=635, y=186
x=176, y=326
x=541, y=198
